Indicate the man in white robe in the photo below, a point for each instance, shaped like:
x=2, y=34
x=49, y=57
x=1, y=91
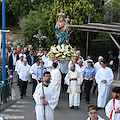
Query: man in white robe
x=56, y=78
x=97, y=66
x=49, y=99
x=72, y=79
x=112, y=109
x=104, y=78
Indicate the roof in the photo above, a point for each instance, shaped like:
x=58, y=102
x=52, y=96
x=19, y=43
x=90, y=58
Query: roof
x=98, y=27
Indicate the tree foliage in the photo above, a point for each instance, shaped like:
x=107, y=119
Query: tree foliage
x=10, y=18
x=35, y=21
x=78, y=11
x=20, y=7
x=112, y=7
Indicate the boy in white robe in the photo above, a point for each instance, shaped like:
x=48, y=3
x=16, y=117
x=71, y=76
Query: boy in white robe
x=93, y=113
x=56, y=78
x=113, y=107
x=104, y=78
x=72, y=79
x=49, y=99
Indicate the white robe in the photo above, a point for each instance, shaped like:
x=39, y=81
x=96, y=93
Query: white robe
x=97, y=66
x=99, y=118
x=74, y=98
x=50, y=96
x=109, y=108
x=56, y=80
x=103, y=88
x=81, y=70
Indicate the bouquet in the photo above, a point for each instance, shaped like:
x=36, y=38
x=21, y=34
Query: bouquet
x=62, y=52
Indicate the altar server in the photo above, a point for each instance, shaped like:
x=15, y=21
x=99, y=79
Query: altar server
x=49, y=99
x=72, y=79
x=56, y=78
x=113, y=107
x=104, y=78
x=93, y=113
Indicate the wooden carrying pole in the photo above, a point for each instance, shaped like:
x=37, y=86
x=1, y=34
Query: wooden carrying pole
x=40, y=37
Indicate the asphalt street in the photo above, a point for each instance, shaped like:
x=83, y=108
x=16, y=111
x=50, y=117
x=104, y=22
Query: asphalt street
x=23, y=109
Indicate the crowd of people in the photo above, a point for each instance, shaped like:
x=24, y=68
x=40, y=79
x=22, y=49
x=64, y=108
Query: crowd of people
x=74, y=76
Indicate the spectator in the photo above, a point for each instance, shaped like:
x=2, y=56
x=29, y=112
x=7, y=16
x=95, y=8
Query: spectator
x=12, y=62
x=23, y=72
x=18, y=50
x=31, y=58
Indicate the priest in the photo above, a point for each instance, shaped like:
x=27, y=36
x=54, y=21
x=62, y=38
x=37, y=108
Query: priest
x=73, y=81
x=113, y=107
x=49, y=99
x=104, y=78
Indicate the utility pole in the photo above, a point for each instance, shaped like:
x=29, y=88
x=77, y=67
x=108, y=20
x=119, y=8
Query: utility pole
x=87, y=41
x=3, y=42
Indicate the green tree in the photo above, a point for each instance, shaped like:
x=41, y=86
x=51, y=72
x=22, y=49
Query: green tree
x=20, y=8
x=112, y=7
x=78, y=11
x=35, y=21
x=10, y=18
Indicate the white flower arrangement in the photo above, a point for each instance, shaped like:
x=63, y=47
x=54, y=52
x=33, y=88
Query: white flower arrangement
x=62, y=52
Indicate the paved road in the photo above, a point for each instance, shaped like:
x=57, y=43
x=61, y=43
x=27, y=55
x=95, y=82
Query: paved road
x=24, y=108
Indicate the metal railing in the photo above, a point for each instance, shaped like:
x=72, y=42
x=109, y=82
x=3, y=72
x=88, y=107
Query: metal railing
x=5, y=91
x=1, y=72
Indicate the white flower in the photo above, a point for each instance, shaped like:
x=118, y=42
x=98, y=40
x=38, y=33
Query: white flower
x=58, y=47
x=63, y=56
x=56, y=55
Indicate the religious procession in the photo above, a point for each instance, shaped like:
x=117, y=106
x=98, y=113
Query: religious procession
x=58, y=82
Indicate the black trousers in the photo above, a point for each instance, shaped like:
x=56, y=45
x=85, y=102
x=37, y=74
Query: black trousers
x=34, y=82
x=23, y=87
x=64, y=86
x=88, y=86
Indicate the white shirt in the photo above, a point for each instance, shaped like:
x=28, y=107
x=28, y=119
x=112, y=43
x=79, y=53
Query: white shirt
x=44, y=59
x=1, y=118
x=23, y=72
x=19, y=63
x=97, y=66
x=64, y=66
x=81, y=70
x=14, y=59
x=49, y=65
x=24, y=56
x=33, y=69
